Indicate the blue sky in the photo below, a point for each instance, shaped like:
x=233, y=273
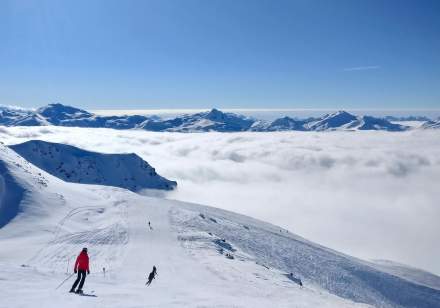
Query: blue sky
x=226, y=54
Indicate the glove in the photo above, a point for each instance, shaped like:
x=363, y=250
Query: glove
x=88, y=272
x=75, y=271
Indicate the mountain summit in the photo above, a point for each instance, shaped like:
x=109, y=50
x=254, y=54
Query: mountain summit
x=332, y=121
x=58, y=113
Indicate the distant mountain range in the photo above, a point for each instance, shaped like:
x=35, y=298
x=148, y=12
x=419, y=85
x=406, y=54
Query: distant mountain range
x=213, y=120
x=407, y=118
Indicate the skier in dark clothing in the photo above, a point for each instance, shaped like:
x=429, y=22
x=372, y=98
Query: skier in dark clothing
x=152, y=275
x=295, y=280
x=81, y=267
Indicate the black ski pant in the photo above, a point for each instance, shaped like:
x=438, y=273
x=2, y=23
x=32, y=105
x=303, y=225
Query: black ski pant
x=80, y=279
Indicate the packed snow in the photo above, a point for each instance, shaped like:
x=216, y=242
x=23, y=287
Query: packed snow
x=55, y=219
x=206, y=257
x=409, y=273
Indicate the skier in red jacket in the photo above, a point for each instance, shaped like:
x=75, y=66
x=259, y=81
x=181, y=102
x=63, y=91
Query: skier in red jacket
x=81, y=267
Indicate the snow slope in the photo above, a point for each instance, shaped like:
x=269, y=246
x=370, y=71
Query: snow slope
x=372, y=123
x=189, y=244
x=331, y=121
x=408, y=272
x=79, y=166
x=281, y=124
x=11, y=194
x=343, y=120
x=432, y=124
x=213, y=120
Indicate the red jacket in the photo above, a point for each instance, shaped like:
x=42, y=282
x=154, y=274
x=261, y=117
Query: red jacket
x=82, y=262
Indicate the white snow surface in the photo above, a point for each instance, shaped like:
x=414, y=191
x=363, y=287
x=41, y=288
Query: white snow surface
x=55, y=219
x=52, y=220
x=79, y=166
x=409, y=273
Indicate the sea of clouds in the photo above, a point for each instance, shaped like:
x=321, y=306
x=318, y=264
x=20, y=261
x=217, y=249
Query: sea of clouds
x=374, y=195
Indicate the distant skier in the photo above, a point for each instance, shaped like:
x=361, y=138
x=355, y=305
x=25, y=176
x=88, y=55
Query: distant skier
x=149, y=225
x=152, y=275
x=294, y=279
x=81, y=267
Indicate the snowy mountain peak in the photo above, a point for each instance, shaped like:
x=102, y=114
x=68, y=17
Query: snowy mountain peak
x=341, y=115
x=286, y=123
x=76, y=165
x=215, y=115
x=57, y=112
x=332, y=121
x=284, y=119
x=213, y=120
x=220, y=116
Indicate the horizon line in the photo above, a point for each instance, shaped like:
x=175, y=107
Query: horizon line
x=192, y=110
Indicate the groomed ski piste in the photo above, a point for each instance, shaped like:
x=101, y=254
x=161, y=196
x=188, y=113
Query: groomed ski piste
x=205, y=257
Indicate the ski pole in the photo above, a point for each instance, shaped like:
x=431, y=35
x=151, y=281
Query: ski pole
x=64, y=281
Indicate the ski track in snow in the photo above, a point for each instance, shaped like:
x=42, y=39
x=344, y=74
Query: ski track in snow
x=189, y=244
x=120, y=239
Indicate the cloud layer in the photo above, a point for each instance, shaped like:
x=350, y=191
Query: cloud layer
x=369, y=194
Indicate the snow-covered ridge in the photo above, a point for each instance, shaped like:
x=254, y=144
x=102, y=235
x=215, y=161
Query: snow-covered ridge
x=18, y=178
x=409, y=273
x=205, y=256
x=72, y=164
x=214, y=120
x=11, y=193
x=432, y=124
x=407, y=118
x=276, y=248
